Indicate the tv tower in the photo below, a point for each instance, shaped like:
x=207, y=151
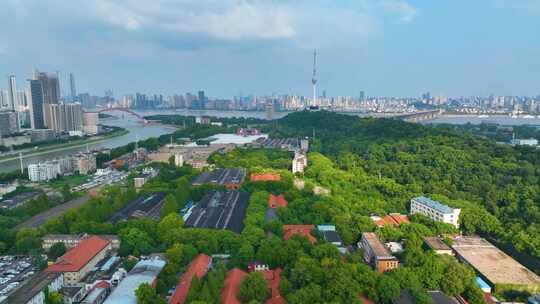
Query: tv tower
x=314, y=79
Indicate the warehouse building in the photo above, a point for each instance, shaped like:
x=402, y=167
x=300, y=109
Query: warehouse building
x=494, y=266
x=146, y=271
x=220, y=210
x=230, y=178
x=73, y=240
x=80, y=260
x=33, y=291
x=143, y=207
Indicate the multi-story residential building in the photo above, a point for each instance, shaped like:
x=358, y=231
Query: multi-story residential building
x=435, y=210
x=91, y=123
x=299, y=162
x=44, y=171
x=65, y=117
x=80, y=260
x=9, y=123
x=376, y=254
x=84, y=163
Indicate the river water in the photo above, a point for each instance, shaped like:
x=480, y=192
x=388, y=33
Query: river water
x=140, y=131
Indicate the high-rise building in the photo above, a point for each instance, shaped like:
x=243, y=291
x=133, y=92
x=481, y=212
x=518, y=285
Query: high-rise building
x=51, y=93
x=9, y=123
x=90, y=123
x=12, y=92
x=51, y=86
x=65, y=117
x=4, y=99
x=73, y=90
x=36, y=109
x=201, y=96
x=362, y=96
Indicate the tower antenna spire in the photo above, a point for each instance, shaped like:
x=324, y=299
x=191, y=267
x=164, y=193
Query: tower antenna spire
x=314, y=79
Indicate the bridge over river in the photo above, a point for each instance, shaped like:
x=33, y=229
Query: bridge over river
x=421, y=116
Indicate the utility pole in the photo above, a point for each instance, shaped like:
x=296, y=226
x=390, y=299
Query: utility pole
x=21, y=162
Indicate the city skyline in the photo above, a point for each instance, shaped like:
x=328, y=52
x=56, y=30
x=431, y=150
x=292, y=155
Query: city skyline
x=228, y=48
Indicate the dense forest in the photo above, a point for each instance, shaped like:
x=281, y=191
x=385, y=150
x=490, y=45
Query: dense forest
x=497, y=185
x=368, y=166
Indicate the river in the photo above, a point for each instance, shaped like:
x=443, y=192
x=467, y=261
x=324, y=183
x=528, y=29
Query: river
x=140, y=131
x=136, y=129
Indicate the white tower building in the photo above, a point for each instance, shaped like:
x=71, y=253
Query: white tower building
x=314, y=79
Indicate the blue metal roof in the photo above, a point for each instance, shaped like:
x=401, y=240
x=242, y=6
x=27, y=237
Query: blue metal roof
x=434, y=204
x=482, y=284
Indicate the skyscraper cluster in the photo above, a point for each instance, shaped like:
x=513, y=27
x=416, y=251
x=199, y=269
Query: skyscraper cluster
x=40, y=106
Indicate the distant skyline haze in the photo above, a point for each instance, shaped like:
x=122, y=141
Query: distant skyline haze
x=233, y=47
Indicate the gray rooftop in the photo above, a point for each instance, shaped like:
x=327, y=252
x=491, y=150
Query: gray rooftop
x=433, y=204
x=221, y=176
x=220, y=210
x=32, y=287
x=145, y=271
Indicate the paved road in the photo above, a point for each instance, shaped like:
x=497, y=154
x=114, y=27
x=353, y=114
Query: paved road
x=41, y=218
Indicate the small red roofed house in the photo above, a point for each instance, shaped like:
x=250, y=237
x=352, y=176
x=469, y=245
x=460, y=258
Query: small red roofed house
x=198, y=267
x=393, y=219
x=277, y=201
x=231, y=287
x=304, y=230
x=80, y=260
x=265, y=177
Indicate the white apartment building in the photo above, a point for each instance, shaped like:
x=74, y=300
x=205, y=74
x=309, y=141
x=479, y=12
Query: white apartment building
x=435, y=210
x=524, y=142
x=299, y=163
x=44, y=171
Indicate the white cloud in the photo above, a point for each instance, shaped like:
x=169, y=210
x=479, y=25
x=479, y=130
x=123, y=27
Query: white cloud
x=406, y=12
x=228, y=20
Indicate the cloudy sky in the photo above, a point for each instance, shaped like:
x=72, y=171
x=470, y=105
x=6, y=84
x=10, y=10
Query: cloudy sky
x=231, y=47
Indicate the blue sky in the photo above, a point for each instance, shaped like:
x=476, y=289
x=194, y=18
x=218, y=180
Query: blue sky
x=231, y=47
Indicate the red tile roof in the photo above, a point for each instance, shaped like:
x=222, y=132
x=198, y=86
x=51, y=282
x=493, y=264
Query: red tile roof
x=102, y=284
x=364, y=299
x=394, y=219
x=277, y=201
x=231, y=287
x=488, y=298
x=235, y=277
x=273, y=278
x=265, y=177
x=198, y=267
x=304, y=230
x=79, y=256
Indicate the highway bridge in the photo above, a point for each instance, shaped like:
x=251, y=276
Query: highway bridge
x=421, y=116
x=126, y=110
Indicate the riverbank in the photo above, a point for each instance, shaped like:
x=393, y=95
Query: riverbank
x=63, y=146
